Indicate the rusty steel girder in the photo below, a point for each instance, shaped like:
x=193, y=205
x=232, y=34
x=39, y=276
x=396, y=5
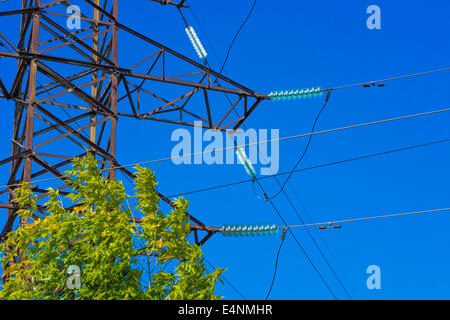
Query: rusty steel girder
x=62, y=69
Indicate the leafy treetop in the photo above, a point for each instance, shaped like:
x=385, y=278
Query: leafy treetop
x=101, y=237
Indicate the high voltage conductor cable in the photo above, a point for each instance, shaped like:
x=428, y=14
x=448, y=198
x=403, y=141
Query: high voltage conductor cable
x=369, y=218
x=313, y=167
x=322, y=225
x=316, y=269
x=318, y=91
x=283, y=238
x=261, y=142
x=283, y=95
x=308, y=93
x=287, y=138
x=235, y=36
x=238, y=230
x=316, y=244
x=390, y=79
x=287, y=172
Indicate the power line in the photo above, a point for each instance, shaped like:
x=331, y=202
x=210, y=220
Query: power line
x=388, y=79
x=283, y=237
x=379, y=83
x=330, y=223
x=235, y=36
x=287, y=138
x=298, y=243
x=285, y=173
x=293, y=137
x=261, y=142
x=368, y=218
x=300, y=246
x=330, y=253
x=318, y=247
x=313, y=167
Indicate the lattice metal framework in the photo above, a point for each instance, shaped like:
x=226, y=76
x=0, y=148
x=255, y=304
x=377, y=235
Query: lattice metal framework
x=70, y=90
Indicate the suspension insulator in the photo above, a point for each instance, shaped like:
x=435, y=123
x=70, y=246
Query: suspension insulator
x=196, y=43
x=250, y=230
x=296, y=94
x=246, y=162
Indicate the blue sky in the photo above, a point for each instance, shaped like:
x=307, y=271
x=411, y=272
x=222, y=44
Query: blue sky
x=299, y=44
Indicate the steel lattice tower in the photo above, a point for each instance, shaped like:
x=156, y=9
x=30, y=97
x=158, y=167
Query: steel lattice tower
x=70, y=89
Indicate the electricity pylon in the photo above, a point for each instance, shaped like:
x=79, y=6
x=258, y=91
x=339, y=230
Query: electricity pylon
x=71, y=88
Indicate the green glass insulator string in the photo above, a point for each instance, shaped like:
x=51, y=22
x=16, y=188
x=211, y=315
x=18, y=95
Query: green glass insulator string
x=284, y=95
x=250, y=230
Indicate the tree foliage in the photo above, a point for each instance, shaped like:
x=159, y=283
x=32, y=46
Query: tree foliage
x=100, y=236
